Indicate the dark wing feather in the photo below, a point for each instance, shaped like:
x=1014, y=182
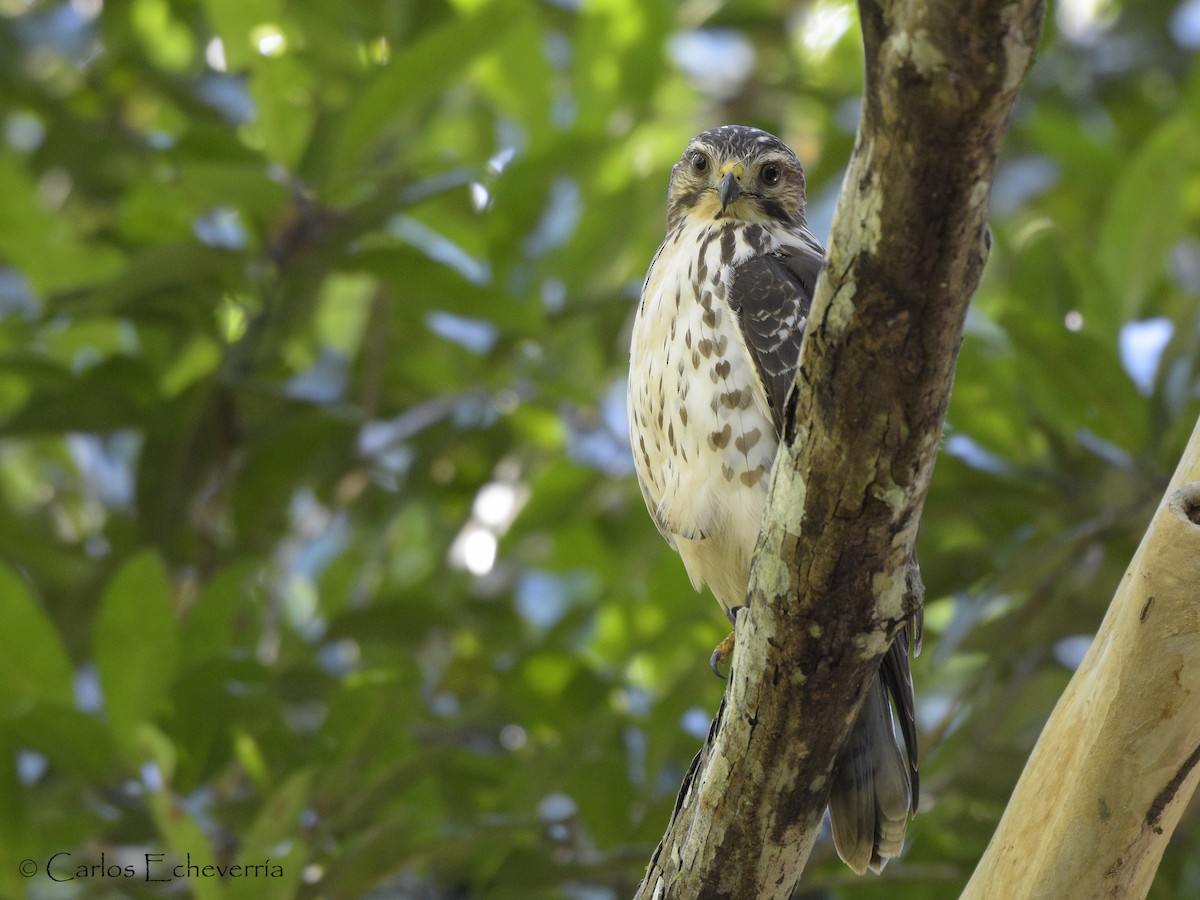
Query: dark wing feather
x=897, y=676
x=771, y=296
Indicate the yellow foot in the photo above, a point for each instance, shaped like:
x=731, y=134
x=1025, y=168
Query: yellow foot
x=720, y=656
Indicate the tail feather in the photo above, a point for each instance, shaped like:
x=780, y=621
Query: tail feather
x=874, y=786
x=872, y=792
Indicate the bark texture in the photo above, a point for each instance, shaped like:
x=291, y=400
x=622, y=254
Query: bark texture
x=1120, y=757
x=827, y=592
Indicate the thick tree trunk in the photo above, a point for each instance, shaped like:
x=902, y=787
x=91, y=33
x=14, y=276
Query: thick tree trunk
x=828, y=588
x=1120, y=756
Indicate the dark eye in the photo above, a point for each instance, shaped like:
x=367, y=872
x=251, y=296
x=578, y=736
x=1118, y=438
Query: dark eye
x=699, y=161
x=770, y=174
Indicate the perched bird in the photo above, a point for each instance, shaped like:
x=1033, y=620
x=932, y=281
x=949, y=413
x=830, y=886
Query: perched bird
x=716, y=342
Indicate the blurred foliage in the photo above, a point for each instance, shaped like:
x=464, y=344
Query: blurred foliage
x=318, y=541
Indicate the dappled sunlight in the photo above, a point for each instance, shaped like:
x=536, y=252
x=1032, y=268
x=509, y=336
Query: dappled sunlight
x=824, y=23
x=318, y=534
x=1085, y=21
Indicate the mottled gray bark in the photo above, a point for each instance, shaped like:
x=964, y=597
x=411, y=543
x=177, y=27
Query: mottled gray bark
x=827, y=592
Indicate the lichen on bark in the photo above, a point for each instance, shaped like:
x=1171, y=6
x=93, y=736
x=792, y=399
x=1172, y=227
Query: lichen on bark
x=905, y=256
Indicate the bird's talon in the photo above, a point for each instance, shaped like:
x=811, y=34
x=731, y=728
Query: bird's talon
x=722, y=654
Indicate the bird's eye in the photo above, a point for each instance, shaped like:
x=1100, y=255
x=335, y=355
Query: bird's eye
x=699, y=161
x=770, y=174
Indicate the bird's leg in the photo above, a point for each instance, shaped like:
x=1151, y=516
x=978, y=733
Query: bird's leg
x=722, y=653
x=724, y=650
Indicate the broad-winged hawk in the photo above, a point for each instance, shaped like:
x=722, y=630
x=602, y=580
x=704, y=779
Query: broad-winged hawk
x=716, y=342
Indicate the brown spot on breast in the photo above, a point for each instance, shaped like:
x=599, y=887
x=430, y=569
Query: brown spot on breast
x=687, y=339
x=722, y=368
x=695, y=359
x=738, y=398
x=711, y=317
x=746, y=442
x=727, y=471
x=683, y=415
x=671, y=435
x=753, y=477
x=706, y=347
x=720, y=344
x=719, y=440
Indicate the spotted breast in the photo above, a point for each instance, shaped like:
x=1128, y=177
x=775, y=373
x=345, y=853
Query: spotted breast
x=705, y=437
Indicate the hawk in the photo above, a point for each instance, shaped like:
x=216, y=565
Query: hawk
x=716, y=343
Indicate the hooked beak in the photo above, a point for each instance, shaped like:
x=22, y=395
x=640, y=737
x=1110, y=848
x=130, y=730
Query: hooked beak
x=730, y=190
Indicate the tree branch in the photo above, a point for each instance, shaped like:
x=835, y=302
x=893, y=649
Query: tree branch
x=1120, y=756
x=827, y=591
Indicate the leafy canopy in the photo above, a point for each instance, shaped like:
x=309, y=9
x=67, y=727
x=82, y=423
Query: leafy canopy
x=317, y=536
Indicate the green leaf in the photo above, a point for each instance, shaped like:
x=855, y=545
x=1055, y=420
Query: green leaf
x=169, y=270
x=136, y=644
x=274, y=829
x=216, y=622
x=1146, y=213
x=42, y=245
x=417, y=73
x=158, y=211
x=76, y=741
x=280, y=88
x=235, y=20
x=190, y=844
x=34, y=667
x=113, y=394
x=182, y=443
x=519, y=81
x=294, y=445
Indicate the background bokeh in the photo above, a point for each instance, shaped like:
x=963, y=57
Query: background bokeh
x=318, y=536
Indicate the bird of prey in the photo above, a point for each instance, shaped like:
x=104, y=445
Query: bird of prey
x=716, y=343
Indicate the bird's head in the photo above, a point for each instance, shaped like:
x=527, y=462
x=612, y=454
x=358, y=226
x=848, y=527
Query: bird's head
x=737, y=172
